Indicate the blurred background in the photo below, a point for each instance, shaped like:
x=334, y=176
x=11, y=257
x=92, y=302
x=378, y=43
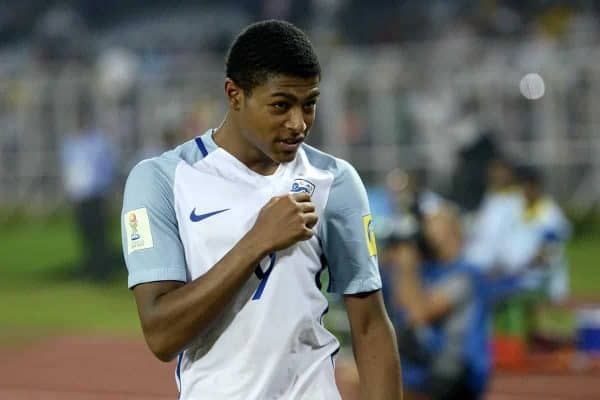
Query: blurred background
x=474, y=125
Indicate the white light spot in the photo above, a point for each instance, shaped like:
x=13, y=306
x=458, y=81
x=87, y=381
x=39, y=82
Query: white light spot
x=532, y=86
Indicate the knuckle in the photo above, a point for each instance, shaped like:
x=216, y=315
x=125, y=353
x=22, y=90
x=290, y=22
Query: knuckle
x=300, y=197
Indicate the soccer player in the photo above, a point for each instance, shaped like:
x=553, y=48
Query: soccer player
x=225, y=238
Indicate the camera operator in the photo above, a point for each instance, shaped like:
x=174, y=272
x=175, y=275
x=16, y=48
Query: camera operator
x=437, y=305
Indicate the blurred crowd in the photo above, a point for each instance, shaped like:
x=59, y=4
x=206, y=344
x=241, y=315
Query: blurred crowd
x=142, y=64
x=128, y=54
x=464, y=275
x=342, y=21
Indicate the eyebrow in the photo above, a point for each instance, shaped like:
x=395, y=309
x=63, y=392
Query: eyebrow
x=291, y=97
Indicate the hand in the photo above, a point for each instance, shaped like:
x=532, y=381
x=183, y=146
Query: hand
x=285, y=220
x=542, y=259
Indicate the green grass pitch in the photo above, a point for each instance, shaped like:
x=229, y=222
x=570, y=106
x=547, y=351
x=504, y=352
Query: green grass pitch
x=34, y=303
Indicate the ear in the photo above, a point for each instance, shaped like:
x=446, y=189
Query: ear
x=234, y=93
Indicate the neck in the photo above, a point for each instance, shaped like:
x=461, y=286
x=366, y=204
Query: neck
x=532, y=201
x=229, y=136
x=506, y=188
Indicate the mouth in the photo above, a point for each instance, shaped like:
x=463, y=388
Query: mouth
x=290, y=144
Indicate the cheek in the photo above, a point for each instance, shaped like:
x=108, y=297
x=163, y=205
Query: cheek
x=310, y=118
x=253, y=117
x=262, y=129
x=264, y=117
x=256, y=121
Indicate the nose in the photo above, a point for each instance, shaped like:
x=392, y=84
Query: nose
x=296, y=122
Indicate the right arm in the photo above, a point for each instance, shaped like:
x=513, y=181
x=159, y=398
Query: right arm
x=421, y=306
x=173, y=313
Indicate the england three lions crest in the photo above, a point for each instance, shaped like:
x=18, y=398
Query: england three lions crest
x=302, y=185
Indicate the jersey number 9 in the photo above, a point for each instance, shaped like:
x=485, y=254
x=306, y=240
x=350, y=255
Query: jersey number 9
x=263, y=276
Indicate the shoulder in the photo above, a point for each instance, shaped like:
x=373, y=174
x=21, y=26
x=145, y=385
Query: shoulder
x=553, y=214
x=341, y=169
x=152, y=171
x=162, y=167
x=347, y=194
x=550, y=205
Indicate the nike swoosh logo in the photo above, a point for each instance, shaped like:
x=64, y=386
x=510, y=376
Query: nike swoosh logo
x=195, y=217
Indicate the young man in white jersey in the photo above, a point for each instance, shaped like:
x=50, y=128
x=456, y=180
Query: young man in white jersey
x=225, y=238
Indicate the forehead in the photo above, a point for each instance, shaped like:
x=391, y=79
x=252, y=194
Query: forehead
x=295, y=86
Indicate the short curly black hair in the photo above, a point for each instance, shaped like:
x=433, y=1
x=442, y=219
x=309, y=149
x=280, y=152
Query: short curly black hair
x=269, y=48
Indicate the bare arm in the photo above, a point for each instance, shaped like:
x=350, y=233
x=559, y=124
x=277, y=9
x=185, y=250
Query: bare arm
x=374, y=346
x=421, y=306
x=174, y=313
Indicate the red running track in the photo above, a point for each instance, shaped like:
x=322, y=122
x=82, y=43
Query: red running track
x=84, y=368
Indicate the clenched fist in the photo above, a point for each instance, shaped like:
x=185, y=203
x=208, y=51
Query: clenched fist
x=286, y=220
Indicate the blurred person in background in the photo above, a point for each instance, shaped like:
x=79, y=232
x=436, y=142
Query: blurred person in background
x=405, y=195
x=491, y=247
x=469, y=178
x=61, y=37
x=517, y=239
x=433, y=295
x=88, y=170
x=545, y=222
x=538, y=265
x=436, y=302
x=489, y=235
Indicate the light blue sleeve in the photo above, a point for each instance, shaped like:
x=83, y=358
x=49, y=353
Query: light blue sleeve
x=149, y=188
x=346, y=234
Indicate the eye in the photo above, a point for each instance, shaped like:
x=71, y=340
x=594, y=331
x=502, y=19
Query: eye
x=280, y=106
x=310, y=105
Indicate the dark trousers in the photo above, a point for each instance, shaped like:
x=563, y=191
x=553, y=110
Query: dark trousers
x=91, y=221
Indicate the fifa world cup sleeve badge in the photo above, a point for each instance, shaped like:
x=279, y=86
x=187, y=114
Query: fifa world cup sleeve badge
x=370, y=235
x=137, y=227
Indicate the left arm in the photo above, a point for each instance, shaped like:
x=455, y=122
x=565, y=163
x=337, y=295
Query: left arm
x=374, y=346
x=348, y=241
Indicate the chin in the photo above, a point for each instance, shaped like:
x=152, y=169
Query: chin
x=285, y=157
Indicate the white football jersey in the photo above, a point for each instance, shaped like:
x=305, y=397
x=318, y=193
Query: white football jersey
x=184, y=210
x=543, y=227
x=489, y=236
